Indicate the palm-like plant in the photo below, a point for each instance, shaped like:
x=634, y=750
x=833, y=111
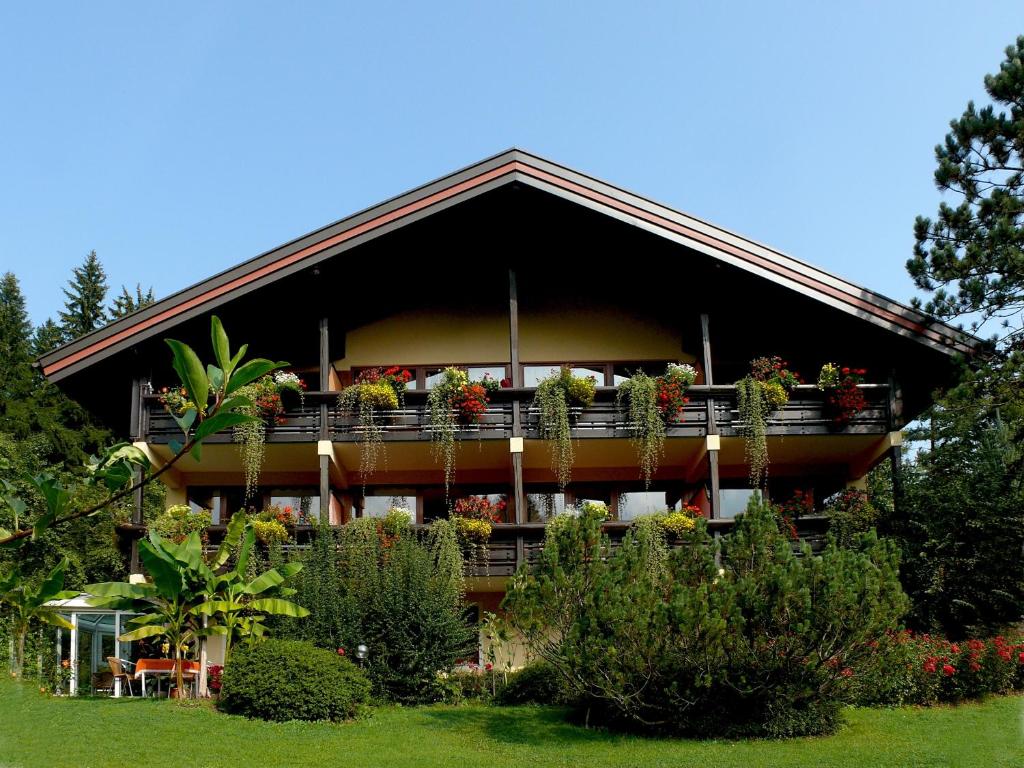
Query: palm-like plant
x=187, y=592
x=239, y=606
x=26, y=603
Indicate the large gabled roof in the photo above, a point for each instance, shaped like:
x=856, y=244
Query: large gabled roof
x=512, y=166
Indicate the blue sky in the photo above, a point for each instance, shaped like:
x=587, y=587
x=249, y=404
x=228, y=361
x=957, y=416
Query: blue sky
x=181, y=139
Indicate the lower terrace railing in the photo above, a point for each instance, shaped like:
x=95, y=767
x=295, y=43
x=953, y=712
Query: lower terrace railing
x=510, y=544
x=805, y=414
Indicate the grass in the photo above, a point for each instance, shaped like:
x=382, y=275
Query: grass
x=40, y=731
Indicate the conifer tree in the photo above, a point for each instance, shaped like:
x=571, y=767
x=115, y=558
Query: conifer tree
x=86, y=294
x=15, y=345
x=48, y=336
x=126, y=302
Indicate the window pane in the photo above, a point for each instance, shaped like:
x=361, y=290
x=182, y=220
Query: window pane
x=634, y=504
x=433, y=377
x=597, y=373
x=532, y=374
x=542, y=506
x=305, y=506
x=206, y=500
x=734, y=500
x=379, y=506
x=496, y=372
x=624, y=371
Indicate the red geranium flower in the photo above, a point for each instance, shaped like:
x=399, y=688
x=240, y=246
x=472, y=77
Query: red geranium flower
x=948, y=670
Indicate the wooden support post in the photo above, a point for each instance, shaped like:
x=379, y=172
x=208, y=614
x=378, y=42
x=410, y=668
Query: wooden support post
x=896, y=451
x=324, y=432
x=137, y=497
x=712, y=426
x=517, y=381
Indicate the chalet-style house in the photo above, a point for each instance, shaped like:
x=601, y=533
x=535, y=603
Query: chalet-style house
x=513, y=267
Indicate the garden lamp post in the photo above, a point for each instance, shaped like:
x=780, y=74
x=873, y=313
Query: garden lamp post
x=361, y=653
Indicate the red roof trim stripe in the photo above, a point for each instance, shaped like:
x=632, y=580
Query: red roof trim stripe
x=475, y=181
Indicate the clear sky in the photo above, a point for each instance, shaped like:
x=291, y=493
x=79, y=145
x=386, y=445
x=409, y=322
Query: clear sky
x=179, y=140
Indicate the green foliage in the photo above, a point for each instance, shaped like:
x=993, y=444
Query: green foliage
x=536, y=683
x=24, y=603
x=851, y=514
x=292, y=680
x=178, y=521
x=126, y=303
x=960, y=526
x=644, y=420
x=400, y=596
x=84, y=299
x=657, y=641
x=906, y=668
x=753, y=413
x=971, y=257
x=554, y=400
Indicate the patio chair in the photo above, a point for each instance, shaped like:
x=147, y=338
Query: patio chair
x=119, y=674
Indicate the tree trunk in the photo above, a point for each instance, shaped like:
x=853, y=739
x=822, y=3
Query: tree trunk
x=180, y=673
x=203, y=682
x=19, y=650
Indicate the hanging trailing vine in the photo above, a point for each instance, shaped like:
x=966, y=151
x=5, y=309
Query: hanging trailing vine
x=764, y=390
x=453, y=402
x=652, y=403
x=556, y=395
x=264, y=396
x=375, y=391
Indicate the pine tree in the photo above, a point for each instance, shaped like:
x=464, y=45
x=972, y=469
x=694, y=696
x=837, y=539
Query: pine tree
x=85, y=296
x=126, y=303
x=48, y=337
x=15, y=345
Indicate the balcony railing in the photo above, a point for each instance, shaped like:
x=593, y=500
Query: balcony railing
x=805, y=414
x=511, y=544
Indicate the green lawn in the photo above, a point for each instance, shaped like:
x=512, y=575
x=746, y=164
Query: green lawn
x=39, y=731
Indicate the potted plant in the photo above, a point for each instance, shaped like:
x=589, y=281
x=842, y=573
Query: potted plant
x=455, y=403
x=652, y=403
x=375, y=392
x=765, y=389
x=560, y=399
x=844, y=398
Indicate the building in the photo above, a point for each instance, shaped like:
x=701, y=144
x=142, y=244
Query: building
x=511, y=267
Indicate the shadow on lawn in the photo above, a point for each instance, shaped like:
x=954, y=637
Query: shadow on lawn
x=517, y=725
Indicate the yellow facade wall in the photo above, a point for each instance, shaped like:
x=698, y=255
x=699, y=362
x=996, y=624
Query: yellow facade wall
x=432, y=337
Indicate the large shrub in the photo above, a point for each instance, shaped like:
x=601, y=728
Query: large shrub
x=292, y=680
x=399, y=593
x=649, y=639
x=536, y=683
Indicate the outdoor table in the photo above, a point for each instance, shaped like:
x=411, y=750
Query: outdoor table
x=159, y=668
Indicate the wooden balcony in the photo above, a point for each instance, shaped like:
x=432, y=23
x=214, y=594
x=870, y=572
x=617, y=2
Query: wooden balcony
x=805, y=414
x=511, y=544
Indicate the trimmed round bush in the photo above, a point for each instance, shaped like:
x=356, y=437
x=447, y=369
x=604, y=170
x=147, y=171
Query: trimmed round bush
x=292, y=680
x=536, y=683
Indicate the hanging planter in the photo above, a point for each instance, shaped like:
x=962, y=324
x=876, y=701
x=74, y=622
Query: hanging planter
x=652, y=403
x=560, y=398
x=454, y=403
x=844, y=399
x=765, y=389
x=375, y=392
x=266, y=405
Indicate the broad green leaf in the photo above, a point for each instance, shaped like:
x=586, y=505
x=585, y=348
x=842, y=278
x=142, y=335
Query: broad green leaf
x=243, y=555
x=143, y=632
x=121, y=589
x=215, y=376
x=53, y=583
x=175, y=446
x=234, y=402
x=233, y=534
x=187, y=363
x=236, y=360
x=54, y=619
x=250, y=372
x=167, y=576
x=197, y=452
x=277, y=607
x=262, y=583
x=217, y=606
x=220, y=421
x=221, y=346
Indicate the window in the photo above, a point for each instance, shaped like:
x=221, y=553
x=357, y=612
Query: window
x=304, y=503
x=543, y=506
x=378, y=502
x=624, y=371
x=734, y=500
x=636, y=503
x=208, y=499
